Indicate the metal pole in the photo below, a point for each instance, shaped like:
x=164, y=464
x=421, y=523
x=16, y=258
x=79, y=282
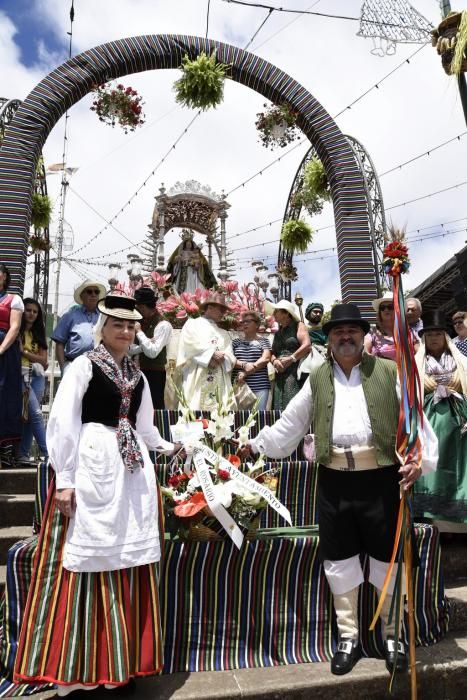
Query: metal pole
x=59, y=251
x=445, y=7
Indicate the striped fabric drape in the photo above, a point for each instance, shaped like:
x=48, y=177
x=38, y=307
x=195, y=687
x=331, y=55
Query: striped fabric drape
x=86, y=627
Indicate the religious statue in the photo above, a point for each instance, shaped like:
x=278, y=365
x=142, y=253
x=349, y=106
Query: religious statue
x=189, y=268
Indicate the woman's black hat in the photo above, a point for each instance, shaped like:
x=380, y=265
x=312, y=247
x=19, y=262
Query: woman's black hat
x=345, y=313
x=433, y=321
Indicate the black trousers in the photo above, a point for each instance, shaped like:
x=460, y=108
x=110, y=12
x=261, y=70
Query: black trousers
x=156, y=381
x=357, y=512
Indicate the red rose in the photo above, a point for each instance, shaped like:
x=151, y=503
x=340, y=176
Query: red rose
x=223, y=474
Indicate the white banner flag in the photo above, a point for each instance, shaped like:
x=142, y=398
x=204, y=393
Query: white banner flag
x=250, y=484
x=216, y=508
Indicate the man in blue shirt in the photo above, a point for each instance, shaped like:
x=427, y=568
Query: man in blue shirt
x=73, y=334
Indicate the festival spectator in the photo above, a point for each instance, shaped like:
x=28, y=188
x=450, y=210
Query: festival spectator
x=413, y=310
x=380, y=340
x=442, y=496
x=34, y=363
x=11, y=395
x=290, y=344
x=205, y=357
x=314, y=316
x=153, y=336
x=95, y=571
x=459, y=321
x=73, y=333
x=253, y=353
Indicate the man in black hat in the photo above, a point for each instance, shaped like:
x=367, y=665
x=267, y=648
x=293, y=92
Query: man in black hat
x=152, y=335
x=353, y=401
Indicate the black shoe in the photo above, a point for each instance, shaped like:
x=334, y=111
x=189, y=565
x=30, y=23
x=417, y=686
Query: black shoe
x=401, y=664
x=346, y=656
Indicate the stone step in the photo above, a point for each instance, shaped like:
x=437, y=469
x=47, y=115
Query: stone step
x=16, y=509
x=18, y=480
x=10, y=535
x=441, y=675
x=457, y=594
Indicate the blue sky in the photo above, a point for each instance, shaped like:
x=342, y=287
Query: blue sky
x=32, y=31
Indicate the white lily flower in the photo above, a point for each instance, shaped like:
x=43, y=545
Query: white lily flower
x=194, y=482
x=223, y=494
x=243, y=435
x=252, y=498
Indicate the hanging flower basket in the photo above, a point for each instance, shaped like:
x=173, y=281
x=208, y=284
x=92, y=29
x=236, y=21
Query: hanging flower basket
x=287, y=271
x=202, y=83
x=296, y=235
x=38, y=244
x=41, y=211
x=277, y=126
x=450, y=40
x=118, y=105
x=315, y=189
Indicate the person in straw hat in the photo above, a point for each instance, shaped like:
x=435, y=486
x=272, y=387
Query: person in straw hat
x=205, y=357
x=291, y=343
x=353, y=402
x=93, y=598
x=73, y=333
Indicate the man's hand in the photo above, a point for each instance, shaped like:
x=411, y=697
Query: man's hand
x=65, y=501
x=137, y=327
x=410, y=472
x=278, y=366
x=217, y=358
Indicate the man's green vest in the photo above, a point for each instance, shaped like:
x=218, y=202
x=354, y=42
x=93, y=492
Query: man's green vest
x=379, y=388
x=160, y=361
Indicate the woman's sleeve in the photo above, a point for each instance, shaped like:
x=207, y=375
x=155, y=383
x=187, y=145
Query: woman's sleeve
x=145, y=424
x=17, y=303
x=64, y=425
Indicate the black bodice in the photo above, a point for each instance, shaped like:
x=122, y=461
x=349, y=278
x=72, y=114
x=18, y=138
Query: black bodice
x=101, y=402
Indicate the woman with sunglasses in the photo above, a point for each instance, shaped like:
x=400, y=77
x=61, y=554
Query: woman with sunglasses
x=459, y=321
x=33, y=365
x=380, y=340
x=253, y=353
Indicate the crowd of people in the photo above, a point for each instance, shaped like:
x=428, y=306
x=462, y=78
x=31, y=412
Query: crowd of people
x=101, y=525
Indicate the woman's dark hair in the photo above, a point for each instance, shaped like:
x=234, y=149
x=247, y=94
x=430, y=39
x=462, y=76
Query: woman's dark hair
x=6, y=271
x=38, y=327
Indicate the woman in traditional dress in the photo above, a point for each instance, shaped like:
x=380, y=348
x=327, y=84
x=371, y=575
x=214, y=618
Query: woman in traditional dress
x=442, y=495
x=33, y=365
x=11, y=393
x=92, y=616
x=459, y=321
x=290, y=344
x=380, y=340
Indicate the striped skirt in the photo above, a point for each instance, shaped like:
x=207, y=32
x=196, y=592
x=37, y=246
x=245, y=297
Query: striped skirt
x=89, y=628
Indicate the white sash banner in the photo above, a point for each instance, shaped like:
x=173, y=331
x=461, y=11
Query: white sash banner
x=217, y=509
x=250, y=484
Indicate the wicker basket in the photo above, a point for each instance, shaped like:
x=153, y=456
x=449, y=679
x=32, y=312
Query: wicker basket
x=199, y=531
x=444, y=35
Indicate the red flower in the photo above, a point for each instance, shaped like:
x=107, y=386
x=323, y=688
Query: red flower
x=174, y=481
x=223, y=474
x=189, y=508
x=233, y=459
x=204, y=421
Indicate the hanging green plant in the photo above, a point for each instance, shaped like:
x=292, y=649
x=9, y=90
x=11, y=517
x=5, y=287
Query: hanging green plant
x=38, y=244
x=296, y=235
x=202, y=83
x=277, y=126
x=41, y=210
x=315, y=188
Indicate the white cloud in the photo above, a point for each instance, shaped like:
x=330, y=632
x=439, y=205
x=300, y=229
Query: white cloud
x=411, y=112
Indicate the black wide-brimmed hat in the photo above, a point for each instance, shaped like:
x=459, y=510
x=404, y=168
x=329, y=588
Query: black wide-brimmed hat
x=345, y=313
x=145, y=295
x=433, y=321
x=119, y=306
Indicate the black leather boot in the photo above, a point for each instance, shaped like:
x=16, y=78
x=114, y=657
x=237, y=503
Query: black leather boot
x=345, y=657
x=390, y=655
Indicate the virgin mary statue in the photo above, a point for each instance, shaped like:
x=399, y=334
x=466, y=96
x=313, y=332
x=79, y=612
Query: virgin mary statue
x=189, y=268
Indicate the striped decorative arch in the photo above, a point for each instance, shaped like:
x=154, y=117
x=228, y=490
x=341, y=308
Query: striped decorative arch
x=68, y=83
